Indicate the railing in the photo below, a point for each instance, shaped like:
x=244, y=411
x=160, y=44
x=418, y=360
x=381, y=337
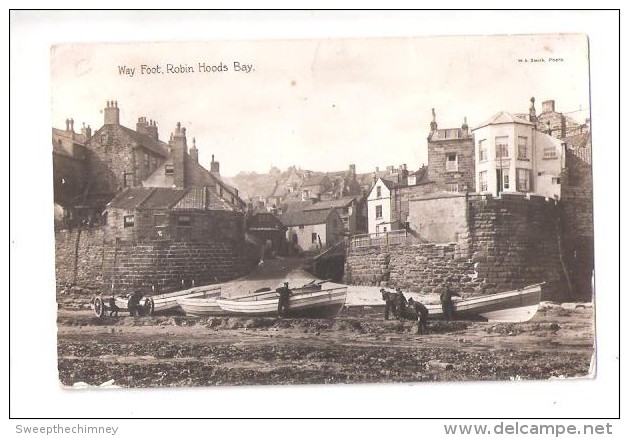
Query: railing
x=396, y=237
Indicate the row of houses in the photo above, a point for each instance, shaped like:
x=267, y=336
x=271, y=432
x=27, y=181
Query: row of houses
x=507, y=153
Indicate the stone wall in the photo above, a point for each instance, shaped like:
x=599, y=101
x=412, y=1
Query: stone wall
x=510, y=242
x=88, y=258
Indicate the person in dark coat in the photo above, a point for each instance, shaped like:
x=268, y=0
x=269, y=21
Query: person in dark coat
x=389, y=299
x=400, y=303
x=134, y=303
x=446, y=302
x=113, y=308
x=282, y=303
x=421, y=313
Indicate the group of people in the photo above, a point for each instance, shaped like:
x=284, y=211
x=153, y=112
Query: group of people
x=133, y=304
x=401, y=308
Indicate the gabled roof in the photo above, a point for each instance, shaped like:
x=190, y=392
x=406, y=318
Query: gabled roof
x=168, y=198
x=130, y=198
x=143, y=140
x=388, y=183
x=502, y=118
x=334, y=203
x=296, y=218
x=316, y=180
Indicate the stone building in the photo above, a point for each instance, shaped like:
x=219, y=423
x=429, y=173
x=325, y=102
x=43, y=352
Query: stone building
x=116, y=157
x=347, y=208
x=451, y=162
x=312, y=230
x=513, y=157
x=70, y=175
x=176, y=214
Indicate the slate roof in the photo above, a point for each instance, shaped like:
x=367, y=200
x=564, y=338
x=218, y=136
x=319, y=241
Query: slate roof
x=167, y=198
x=130, y=198
x=296, y=217
x=326, y=205
x=316, y=180
x=502, y=118
x=159, y=147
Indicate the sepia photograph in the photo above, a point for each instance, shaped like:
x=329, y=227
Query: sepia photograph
x=246, y=217
x=323, y=211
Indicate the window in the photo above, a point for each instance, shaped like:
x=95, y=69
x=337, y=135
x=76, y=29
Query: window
x=523, y=148
x=169, y=169
x=301, y=227
x=502, y=147
x=453, y=187
x=146, y=160
x=103, y=139
x=127, y=178
x=314, y=237
x=184, y=221
x=550, y=153
x=384, y=230
x=378, y=211
x=523, y=180
x=161, y=220
x=555, y=180
x=378, y=192
x=153, y=163
x=482, y=150
x=129, y=221
x=484, y=183
x=452, y=163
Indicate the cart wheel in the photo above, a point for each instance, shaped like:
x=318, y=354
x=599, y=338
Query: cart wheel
x=149, y=306
x=99, y=308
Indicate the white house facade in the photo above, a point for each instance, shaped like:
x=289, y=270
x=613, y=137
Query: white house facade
x=379, y=207
x=512, y=156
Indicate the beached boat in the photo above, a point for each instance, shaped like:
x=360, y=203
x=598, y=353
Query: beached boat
x=313, y=300
x=152, y=304
x=512, y=306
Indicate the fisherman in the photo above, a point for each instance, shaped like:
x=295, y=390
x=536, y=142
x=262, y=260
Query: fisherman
x=282, y=302
x=134, y=303
x=421, y=313
x=113, y=308
x=389, y=299
x=446, y=302
x=400, y=303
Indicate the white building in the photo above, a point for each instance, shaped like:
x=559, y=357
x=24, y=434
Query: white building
x=312, y=230
x=512, y=156
x=379, y=207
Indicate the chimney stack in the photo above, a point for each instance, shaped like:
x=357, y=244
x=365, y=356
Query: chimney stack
x=141, y=125
x=465, y=128
x=532, y=112
x=179, y=150
x=352, y=169
x=433, y=124
x=194, y=152
x=112, y=113
x=548, y=106
x=215, y=167
x=151, y=130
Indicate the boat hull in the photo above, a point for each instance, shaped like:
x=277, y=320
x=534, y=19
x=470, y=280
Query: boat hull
x=325, y=303
x=201, y=307
x=513, y=306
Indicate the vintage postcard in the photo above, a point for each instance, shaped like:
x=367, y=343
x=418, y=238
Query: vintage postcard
x=323, y=211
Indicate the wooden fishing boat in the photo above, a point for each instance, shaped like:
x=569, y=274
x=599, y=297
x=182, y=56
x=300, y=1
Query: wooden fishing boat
x=312, y=301
x=512, y=306
x=163, y=303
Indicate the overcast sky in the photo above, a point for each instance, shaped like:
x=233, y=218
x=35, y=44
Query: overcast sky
x=319, y=104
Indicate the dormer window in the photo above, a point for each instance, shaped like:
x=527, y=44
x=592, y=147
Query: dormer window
x=169, y=169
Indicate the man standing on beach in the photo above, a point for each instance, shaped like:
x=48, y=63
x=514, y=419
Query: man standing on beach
x=282, y=302
x=400, y=303
x=446, y=302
